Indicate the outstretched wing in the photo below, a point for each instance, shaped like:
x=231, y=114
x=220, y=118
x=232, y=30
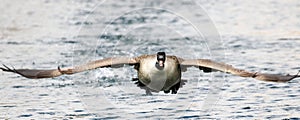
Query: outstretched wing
x=39, y=73
x=208, y=65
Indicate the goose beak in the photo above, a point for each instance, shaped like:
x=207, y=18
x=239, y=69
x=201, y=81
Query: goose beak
x=161, y=57
x=161, y=63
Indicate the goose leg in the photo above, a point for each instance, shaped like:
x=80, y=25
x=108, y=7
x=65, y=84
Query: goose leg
x=175, y=88
x=148, y=91
x=142, y=86
x=167, y=91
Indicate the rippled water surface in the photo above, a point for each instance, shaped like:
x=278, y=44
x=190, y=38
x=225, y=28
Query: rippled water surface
x=259, y=36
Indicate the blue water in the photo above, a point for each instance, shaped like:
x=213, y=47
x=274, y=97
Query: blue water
x=258, y=36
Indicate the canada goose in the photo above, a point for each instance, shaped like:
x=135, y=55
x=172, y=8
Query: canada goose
x=158, y=72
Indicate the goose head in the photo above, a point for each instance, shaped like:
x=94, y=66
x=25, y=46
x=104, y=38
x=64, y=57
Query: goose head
x=161, y=58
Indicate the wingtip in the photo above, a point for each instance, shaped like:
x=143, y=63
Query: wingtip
x=297, y=75
x=8, y=69
x=294, y=76
x=2, y=67
x=5, y=68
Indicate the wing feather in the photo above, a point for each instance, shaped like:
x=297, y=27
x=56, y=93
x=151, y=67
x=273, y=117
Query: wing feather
x=50, y=73
x=206, y=63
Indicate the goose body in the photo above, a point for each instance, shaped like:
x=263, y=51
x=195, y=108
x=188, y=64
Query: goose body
x=157, y=72
x=159, y=79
